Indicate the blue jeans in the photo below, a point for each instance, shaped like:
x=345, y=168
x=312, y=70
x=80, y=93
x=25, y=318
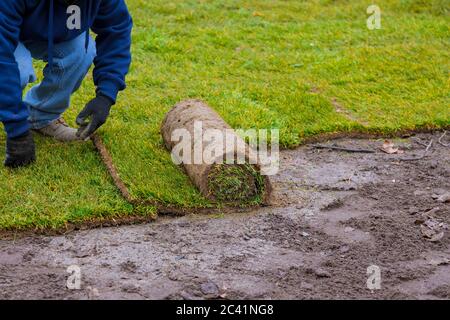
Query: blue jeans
x=49, y=99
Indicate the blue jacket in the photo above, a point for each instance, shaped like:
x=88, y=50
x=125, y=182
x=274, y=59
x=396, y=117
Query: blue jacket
x=46, y=20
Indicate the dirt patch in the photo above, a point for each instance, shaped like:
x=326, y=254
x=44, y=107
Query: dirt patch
x=334, y=214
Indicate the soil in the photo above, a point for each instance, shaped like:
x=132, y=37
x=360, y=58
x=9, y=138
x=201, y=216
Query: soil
x=333, y=215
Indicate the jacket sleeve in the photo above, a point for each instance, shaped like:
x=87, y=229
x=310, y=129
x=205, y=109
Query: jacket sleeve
x=113, y=26
x=13, y=112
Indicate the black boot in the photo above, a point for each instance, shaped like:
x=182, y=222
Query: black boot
x=20, y=151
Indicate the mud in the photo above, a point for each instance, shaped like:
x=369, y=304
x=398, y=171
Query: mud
x=334, y=214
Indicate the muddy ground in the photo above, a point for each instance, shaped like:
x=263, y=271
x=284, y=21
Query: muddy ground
x=334, y=214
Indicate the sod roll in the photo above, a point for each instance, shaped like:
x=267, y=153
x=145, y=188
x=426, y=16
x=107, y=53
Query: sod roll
x=218, y=179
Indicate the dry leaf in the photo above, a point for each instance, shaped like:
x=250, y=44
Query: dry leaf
x=430, y=213
x=390, y=148
x=439, y=262
x=437, y=237
x=426, y=231
x=432, y=229
x=444, y=197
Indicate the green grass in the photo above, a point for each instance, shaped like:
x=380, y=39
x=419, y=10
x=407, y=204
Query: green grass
x=236, y=184
x=260, y=64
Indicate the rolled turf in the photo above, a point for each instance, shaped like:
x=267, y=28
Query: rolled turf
x=218, y=179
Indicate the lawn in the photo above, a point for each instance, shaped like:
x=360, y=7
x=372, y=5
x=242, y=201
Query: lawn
x=305, y=67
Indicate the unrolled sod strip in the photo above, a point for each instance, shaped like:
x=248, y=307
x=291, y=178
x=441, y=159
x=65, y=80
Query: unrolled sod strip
x=230, y=183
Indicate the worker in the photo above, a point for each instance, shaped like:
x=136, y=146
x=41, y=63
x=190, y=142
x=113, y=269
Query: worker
x=58, y=33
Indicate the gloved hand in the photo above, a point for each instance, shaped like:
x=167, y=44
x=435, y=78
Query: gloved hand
x=20, y=151
x=98, y=110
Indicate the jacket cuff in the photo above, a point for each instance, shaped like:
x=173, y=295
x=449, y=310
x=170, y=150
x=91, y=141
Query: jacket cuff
x=109, y=89
x=16, y=128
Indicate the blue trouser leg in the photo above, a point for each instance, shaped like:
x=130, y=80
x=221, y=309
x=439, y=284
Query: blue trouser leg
x=49, y=99
x=25, y=63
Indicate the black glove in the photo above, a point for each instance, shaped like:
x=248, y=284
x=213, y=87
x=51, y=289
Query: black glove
x=20, y=151
x=98, y=110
